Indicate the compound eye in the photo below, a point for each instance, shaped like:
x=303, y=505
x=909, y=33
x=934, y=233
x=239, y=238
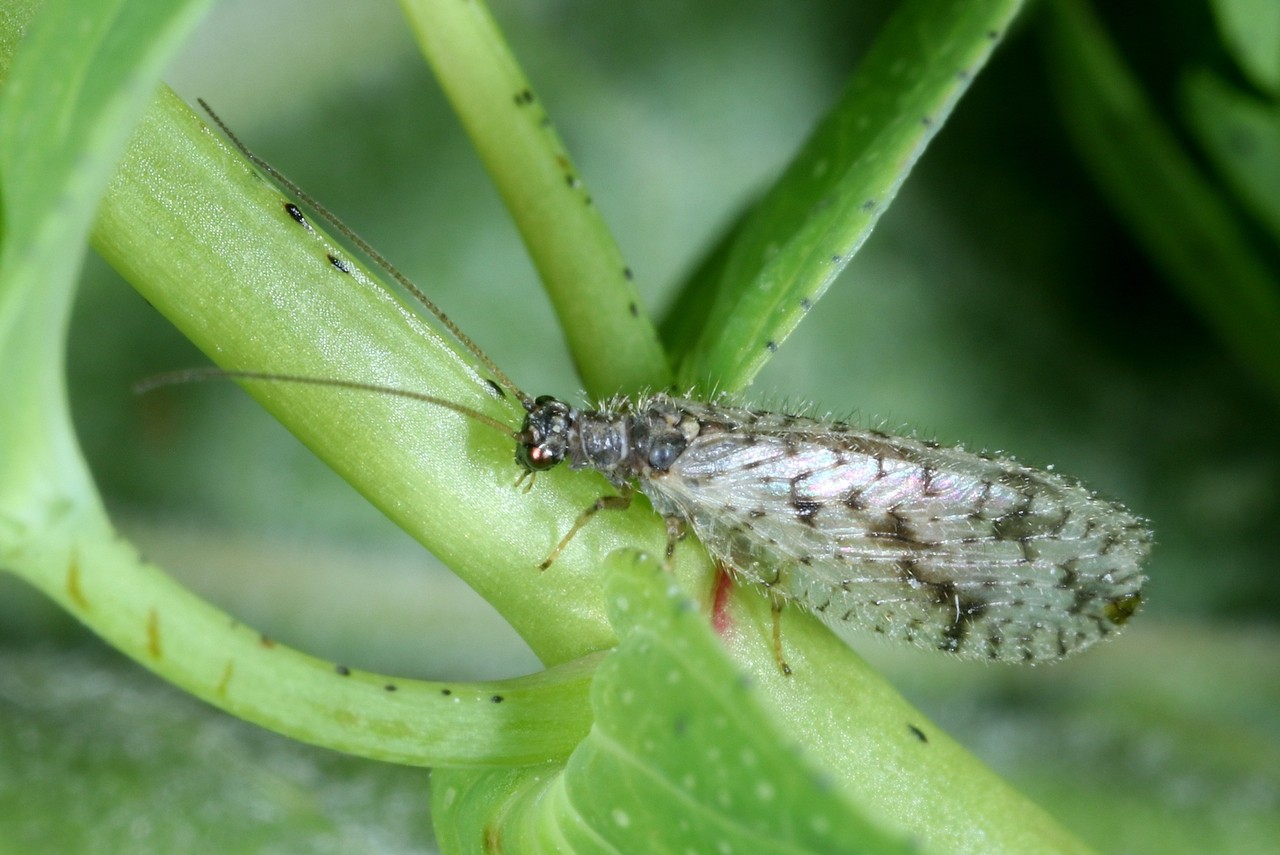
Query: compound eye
x=536, y=458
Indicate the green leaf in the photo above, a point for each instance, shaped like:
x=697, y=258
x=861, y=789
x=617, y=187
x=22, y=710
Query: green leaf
x=1241, y=135
x=699, y=746
x=811, y=222
x=1184, y=221
x=1251, y=31
x=682, y=732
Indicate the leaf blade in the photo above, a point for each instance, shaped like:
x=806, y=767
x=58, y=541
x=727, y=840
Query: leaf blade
x=814, y=219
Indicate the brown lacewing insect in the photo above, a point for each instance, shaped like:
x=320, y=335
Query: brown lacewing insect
x=965, y=552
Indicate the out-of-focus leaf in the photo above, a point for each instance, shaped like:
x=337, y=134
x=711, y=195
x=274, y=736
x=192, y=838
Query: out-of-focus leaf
x=1251, y=30
x=1190, y=230
x=1242, y=136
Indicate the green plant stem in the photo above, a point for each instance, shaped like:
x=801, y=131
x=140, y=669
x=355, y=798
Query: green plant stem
x=54, y=532
x=614, y=345
x=210, y=245
x=144, y=614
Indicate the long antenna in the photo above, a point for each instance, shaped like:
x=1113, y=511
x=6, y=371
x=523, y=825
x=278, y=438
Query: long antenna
x=195, y=375
x=364, y=246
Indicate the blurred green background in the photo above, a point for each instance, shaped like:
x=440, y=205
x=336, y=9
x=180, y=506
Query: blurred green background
x=1001, y=303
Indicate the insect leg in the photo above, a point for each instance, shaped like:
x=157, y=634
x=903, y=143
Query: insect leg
x=777, y=601
x=620, y=502
x=675, y=533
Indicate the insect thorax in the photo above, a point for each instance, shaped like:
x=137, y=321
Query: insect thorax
x=623, y=441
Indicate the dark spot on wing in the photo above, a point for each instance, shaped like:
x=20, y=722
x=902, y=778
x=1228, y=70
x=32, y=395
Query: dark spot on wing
x=962, y=612
x=893, y=526
x=1119, y=609
x=806, y=510
x=1110, y=542
x=1016, y=525
x=1061, y=525
x=1020, y=481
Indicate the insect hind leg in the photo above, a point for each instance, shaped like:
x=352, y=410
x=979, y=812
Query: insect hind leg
x=776, y=603
x=620, y=502
x=676, y=530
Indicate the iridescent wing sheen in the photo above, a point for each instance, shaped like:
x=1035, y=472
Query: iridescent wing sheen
x=965, y=552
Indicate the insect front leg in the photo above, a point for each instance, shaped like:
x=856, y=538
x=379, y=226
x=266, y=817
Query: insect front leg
x=620, y=502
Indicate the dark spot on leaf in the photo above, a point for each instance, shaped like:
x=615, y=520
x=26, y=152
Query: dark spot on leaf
x=296, y=213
